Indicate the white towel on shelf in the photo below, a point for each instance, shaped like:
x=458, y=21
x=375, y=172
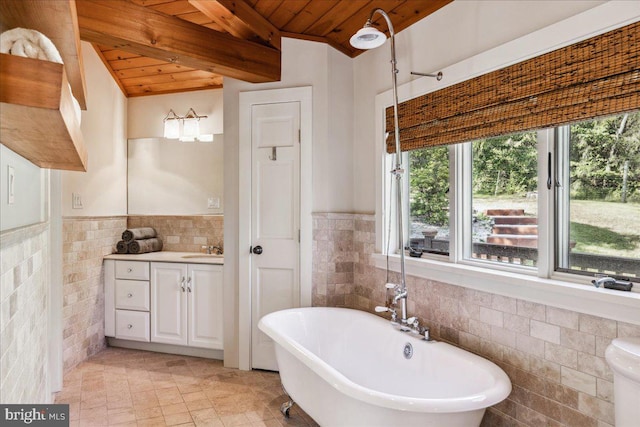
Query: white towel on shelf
x=33, y=44
x=30, y=44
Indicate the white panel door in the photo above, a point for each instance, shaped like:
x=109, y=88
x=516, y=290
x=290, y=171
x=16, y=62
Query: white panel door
x=204, y=291
x=275, y=219
x=169, y=303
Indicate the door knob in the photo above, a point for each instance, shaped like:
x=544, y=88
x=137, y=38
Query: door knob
x=257, y=250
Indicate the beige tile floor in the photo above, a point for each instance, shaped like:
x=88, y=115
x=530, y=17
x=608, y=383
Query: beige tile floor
x=139, y=388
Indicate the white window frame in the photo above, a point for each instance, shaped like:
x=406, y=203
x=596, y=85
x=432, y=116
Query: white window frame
x=464, y=219
x=563, y=290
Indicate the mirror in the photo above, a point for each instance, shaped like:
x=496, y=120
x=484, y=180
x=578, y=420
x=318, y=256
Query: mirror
x=169, y=177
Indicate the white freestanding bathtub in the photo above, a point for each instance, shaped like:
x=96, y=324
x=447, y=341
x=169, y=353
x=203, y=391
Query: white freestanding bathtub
x=348, y=368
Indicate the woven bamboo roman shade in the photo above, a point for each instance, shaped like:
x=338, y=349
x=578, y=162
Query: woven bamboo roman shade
x=596, y=77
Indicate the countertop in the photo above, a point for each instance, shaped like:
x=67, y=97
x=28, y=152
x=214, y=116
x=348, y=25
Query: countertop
x=167, y=256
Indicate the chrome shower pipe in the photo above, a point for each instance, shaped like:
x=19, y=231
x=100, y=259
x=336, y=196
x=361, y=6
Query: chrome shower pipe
x=397, y=172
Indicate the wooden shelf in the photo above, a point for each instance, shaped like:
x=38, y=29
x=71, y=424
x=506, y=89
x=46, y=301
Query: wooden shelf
x=37, y=116
x=58, y=20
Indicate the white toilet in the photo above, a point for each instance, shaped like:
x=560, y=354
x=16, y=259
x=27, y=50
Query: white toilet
x=623, y=356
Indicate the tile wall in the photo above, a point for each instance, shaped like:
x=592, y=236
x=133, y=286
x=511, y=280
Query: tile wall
x=183, y=233
x=24, y=299
x=333, y=259
x=86, y=240
x=554, y=357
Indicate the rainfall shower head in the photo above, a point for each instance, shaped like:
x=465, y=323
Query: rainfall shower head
x=367, y=37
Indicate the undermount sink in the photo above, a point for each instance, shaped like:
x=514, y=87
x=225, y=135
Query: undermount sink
x=203, y=256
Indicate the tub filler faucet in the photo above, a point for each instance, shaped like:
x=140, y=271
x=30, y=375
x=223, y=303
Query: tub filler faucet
x=411, y=324
x=394, y=294
x=415, y=328
x=401, y=294
x=392, y=310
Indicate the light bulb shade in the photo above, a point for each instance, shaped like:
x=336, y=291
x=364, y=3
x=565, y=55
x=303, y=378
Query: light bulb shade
x=367, y=38
x=191, y=128
x=172, y=128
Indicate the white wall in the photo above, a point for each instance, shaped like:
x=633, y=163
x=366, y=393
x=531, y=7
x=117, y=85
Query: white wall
x=146, y=112
x=458, y=31
x=332, y=188
x=103, y=188
x=304, y=63
x=329, y=72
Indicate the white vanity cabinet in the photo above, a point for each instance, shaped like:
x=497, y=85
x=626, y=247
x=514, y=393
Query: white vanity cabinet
x=186, y=301
x=127, y=300
x=164, y=304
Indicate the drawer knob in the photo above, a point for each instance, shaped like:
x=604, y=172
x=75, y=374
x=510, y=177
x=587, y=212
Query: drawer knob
x=129, y=326
x=129, y=295
x=129, y=270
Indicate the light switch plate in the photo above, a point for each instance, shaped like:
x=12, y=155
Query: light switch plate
x=76, y=201
x=213, y=203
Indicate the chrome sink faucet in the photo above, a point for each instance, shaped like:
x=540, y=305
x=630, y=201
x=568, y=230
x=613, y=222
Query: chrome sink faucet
x=217, y=250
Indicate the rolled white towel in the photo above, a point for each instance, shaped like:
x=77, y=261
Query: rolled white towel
x=33, y=44
x=30, y=44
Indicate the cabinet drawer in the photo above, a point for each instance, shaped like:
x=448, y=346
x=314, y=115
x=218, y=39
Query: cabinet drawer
x=132, y=270
x=132, y=295
x=132, y=325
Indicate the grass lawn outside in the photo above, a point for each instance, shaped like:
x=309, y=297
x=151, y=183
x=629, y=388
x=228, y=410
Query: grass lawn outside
x=606, y=228
x=597, y=227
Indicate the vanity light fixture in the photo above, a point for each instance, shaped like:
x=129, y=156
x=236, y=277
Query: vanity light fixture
x=172, y=125
x=191, y=124
x=185, y=128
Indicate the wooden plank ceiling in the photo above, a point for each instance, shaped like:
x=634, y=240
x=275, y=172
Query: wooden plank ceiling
x=260, y=22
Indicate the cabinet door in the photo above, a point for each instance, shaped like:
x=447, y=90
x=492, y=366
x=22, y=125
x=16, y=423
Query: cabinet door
x=205, y=305
x=169, y=303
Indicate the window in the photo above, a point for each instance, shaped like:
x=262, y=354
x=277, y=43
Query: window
x=504, y=208
x=596, y=203
x=598, y=196
x=429, y=199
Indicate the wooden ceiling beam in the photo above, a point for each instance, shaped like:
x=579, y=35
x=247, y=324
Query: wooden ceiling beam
x=138, y=29
x=240, y=20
